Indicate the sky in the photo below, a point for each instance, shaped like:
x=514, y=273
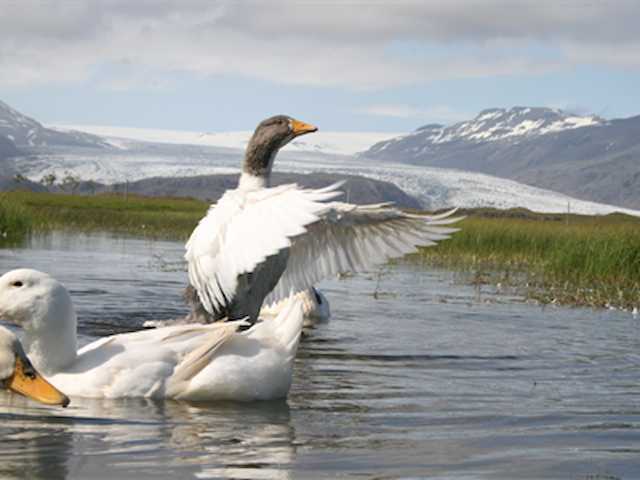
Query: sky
x=344, y=66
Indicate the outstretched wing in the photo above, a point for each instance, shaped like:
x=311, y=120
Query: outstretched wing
x=242, y=230
x=352, y=237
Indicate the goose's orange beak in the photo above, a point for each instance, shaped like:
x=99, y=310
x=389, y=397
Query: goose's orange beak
x=300, y=128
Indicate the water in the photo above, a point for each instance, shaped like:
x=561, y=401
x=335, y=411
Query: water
x=414, y=376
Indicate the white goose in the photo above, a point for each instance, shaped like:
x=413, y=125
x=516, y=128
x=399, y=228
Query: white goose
x=192, y=362
x=259, y=243
x=17, y=373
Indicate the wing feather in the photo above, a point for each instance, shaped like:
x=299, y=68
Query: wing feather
x=352, y=237
x=242, y=230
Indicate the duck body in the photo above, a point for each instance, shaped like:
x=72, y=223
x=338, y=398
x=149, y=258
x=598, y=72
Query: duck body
x=188, y=362
x=259, y=244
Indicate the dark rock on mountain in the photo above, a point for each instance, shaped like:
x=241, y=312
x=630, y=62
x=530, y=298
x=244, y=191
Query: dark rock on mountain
x=7, y=148
x=358, y=190
x=7, y=151
x=8, y=183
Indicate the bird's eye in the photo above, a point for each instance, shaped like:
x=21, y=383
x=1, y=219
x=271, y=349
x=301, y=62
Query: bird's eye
x=17, y=284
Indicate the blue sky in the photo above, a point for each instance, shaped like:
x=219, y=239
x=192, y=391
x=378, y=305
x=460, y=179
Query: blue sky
x=344, y=66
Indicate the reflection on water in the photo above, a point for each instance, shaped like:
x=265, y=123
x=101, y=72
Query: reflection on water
x=140, y=438
x=426, y=378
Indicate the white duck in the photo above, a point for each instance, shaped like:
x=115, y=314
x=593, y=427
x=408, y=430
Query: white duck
x=259, y=243
x=192, y=362
x=17, y=373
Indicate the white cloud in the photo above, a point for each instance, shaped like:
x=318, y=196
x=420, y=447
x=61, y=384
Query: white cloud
x=440, y=113
x=330, y=44
x=623, y=57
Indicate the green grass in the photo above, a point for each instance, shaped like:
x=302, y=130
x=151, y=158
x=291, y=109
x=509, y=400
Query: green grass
x=592, y=261
x=158, y=217
x=15, y=220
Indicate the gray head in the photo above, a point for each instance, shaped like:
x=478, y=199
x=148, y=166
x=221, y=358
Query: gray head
x=271, y=135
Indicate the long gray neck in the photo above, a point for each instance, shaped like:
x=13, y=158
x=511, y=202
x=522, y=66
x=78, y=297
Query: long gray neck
x=257, y=164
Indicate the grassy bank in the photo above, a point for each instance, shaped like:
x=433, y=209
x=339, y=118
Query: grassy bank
x=593, y=261
x=158, y=217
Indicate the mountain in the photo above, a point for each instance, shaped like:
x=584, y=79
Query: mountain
x=584, y=157
x=359, y=190
x=7, y=148
x=28, y=135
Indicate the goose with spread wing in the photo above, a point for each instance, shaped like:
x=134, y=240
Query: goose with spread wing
x=189, y=362
x=259, y=243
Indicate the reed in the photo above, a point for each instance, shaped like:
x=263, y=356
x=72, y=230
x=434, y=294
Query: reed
x=157, y=217
x=15, y=220
x=591, y=261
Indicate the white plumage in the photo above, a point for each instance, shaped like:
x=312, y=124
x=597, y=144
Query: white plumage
x=260, y=243
x=240, y=232
x=195, y=362
x=349, y=237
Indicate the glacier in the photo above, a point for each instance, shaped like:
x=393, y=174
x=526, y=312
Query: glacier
x=145, y=153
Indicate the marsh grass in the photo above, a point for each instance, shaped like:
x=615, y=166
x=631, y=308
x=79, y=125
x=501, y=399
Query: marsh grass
x=591, y=261
x=157, y=217
x=15, y=220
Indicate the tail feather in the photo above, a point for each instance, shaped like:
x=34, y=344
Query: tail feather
x=287, y=326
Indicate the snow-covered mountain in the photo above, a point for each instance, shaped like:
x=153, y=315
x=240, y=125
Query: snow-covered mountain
x=434, y=188
x=489, y=126
x=25, y=133
x=585, y=157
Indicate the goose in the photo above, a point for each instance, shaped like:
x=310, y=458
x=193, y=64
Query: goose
x=17, y=373
x=185, y=362
x=259, y=243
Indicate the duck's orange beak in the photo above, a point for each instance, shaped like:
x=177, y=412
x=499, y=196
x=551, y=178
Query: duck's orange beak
x=300, y=128
x=28, y=382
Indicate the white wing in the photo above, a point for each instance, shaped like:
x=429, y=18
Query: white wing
x=143, y=363
x=242, y=230
x=352, y=237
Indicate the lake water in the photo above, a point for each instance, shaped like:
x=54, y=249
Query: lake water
x=415, y=375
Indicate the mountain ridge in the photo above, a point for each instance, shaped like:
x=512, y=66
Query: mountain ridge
x=27, y=134
x=585, y=157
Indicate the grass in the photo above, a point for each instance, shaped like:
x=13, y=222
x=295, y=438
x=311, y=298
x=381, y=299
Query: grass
x=157, y=217
x=591, y=261
x=15, y=219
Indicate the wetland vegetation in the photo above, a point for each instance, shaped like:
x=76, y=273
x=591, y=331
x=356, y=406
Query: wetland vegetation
x=576, y=260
